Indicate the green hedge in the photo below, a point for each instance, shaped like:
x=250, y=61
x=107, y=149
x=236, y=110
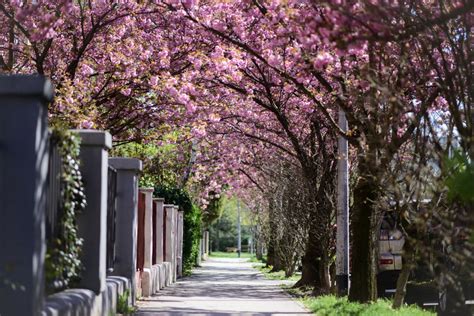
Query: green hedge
x=192, y=223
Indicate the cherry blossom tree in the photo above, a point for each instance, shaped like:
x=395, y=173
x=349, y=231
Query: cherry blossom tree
x=241, y=81
x=351, y=55
x=110, y=61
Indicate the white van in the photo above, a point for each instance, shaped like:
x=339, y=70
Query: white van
x=390, y=243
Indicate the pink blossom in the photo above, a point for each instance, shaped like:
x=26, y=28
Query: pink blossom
x=86, y=124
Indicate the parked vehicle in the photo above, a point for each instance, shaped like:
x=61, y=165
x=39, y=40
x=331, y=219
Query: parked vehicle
x=390, y=243
x=424, y=288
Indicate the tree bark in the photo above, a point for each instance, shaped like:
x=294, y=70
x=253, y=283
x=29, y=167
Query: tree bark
x=218, y=236
x=277, y=262
x=325, y=287
x=259, y=249
x=315, y=271
x=310, y=275
x=364, y=252
x=408, y=261
x=270, y=253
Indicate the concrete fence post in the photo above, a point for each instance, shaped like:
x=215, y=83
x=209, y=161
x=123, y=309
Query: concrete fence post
x=126, y=218
x=180, y=243
x=206, y=245
x=199, y=256
x=176, y=242
x=159, y=202
x=24, y=154
x=170, y=253
x=147, y=281
x=148, y=229
x=202, y=247
x=92, y=221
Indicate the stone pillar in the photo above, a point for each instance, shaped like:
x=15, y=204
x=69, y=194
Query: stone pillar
x=176, y=233
x=159, y=202
x=206, y=245
x=199, y=256
x=201, y=248
x=126, y=218
x=170, y=253
x=92, y=221
x=148, y=231
x=24, y=154
x=147, y=279
x=180, y=243
x=176, y=242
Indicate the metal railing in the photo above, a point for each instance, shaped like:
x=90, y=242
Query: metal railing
x=53, y=198
x=111, y=215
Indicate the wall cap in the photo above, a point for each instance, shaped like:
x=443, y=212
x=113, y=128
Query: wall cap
x=92, y=137
x=147, y=190
x=122, y=163
x=26, y=85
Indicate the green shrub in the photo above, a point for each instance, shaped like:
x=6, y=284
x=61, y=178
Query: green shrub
x=330, y=305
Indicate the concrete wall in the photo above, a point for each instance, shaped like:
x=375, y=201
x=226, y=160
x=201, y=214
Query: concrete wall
x=169, y=237
x=23, y=172
x=83, y=302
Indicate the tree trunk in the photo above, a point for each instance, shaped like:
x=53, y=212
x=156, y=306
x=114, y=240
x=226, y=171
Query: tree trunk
x=332, y=274
x=408, y=261
x=270, y=253
x=325, y=286
x=289, y=270
x=310, y=275
x=364, y=251
x=315, y=266
x=218, y=239
x=259, y=249
x=273, y=257
x=277, y=262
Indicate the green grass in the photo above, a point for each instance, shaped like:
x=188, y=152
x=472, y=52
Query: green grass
x=254, y=259
x=330, y=305
x=279, y=275
x=219, y=254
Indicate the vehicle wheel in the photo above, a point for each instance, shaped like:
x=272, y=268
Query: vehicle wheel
x=442, y=301
x=448, y=306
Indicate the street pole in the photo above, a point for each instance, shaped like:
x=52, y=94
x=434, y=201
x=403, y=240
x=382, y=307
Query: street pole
x=239, y=237
x=342, y=221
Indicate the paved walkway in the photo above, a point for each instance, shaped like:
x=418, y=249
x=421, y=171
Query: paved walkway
x=222, y=287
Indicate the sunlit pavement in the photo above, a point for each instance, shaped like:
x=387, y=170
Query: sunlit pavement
x=222, y=287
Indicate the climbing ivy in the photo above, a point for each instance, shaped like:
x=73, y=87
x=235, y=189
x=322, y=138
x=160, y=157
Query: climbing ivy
x=63, y=264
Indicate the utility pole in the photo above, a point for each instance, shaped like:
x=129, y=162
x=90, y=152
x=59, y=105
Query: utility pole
x=239, y=237
x=342, y=221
